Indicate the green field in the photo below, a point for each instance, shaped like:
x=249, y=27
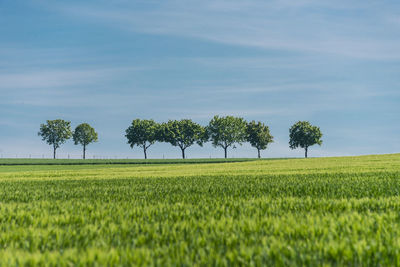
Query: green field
x=12, y=162
x=318, y=211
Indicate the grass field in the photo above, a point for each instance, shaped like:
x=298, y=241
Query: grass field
x=326, y=211
x=12, y=162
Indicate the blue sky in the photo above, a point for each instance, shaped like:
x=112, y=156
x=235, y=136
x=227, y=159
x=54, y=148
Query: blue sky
x=334, y=63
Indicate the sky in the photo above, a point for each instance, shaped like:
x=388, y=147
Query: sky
x=333, y=63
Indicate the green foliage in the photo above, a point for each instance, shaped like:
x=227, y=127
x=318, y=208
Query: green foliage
x=258, y=135
x=84, y=134
x=316, y=212
x=183, y=133
x=227, y=131
x=142, y=133
x=303, y=134
x=55, y=133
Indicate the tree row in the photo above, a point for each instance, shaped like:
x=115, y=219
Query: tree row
x=223, y=132
x=57, y=132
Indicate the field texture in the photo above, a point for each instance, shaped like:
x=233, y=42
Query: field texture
x=12, y=162
x=328, y=211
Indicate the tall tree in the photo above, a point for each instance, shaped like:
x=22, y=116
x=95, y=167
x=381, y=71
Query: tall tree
x=142, y=133
x=84, y=134
x=303, y=134
x=258, y=136
x=227, y=131
x=55, y=133
x=183, y=133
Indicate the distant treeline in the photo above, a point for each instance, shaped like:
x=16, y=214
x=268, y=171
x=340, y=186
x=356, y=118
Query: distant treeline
x=224, y=132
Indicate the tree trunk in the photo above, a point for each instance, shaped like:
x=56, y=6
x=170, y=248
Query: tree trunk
x=54, y=152
x=84, y=151
x=145, y=151
x=183, y=153
x=226, y=152
x=259, y=155
x=306, y=152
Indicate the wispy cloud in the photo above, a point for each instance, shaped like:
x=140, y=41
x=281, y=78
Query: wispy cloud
x=57, y=78
x=302, y=26
x=334, y=63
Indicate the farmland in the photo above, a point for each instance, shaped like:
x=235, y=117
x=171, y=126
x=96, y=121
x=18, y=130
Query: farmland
x=318, y=211
x=32, y=162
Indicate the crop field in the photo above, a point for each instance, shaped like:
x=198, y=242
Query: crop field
x=11, y=162
x=314, y=212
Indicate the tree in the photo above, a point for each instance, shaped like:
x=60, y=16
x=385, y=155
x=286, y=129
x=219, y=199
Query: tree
x=84, y=134
x=227, y=131
x=55, y=133
x=183, y=134
x=303, y=134
x=258, y=136
x=142, y=133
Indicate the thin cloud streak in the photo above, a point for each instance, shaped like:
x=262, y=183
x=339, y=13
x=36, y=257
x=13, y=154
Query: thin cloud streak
x=57, y=78
x=280, y=25
x=333, y=63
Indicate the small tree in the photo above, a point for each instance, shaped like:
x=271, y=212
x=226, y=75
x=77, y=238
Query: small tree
x=84, y=134
x=227, y=131
x=142, y=133
x=258, y=136
x=183, y=134
x=303, y=134
x=55, y=133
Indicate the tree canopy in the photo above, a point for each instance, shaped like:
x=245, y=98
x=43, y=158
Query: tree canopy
x=142, y=133
x=183, y=133
x=303, y=134
x=224, y=131
x=258, y=135
x=55, y=133
x=227, y=131
x=84, y=134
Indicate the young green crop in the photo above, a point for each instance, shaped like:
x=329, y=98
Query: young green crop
x=329, y=211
